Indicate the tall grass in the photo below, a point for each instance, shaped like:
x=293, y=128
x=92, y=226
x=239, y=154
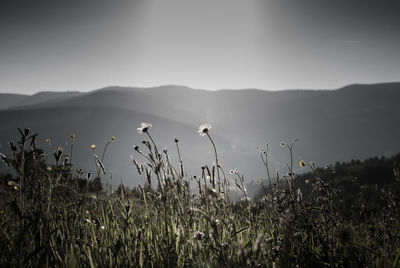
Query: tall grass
x=51, y=217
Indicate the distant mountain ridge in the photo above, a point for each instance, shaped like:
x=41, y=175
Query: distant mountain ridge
x=354, y=122
x=8, y=100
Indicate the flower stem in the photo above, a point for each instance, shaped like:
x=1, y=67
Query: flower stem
x=216, y=162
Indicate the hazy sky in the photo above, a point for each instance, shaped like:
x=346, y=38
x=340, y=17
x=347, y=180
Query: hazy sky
x=210, y=44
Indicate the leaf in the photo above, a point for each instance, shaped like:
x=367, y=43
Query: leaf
x=238, y=232
x=101, y=165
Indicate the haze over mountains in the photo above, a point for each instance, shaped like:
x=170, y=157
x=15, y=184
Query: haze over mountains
x=357, y=121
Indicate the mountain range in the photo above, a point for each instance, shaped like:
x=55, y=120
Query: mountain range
x=354, y=122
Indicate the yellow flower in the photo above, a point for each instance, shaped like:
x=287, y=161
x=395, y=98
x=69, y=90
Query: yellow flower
x=47, y=141
x=93, y=146
x=307, y=181
x=72, y=136
x=208, y=177
x=87, y=212
x=302, y=163
x=10, y=183
x=113, y=138
x=16, y=188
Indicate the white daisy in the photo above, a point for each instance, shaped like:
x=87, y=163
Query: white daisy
x=144, y=127
x=204, y=129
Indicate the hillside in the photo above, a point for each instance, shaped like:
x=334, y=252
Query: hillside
x=354, y=122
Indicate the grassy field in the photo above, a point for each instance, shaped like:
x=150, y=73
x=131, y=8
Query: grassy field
x=55, y=216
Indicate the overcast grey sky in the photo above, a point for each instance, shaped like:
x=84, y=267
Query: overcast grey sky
x=211, y=44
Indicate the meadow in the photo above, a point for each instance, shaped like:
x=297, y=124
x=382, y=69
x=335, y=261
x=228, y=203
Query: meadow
x=53, y=215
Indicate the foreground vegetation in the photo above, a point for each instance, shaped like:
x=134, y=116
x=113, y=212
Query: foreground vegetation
x=52, y=215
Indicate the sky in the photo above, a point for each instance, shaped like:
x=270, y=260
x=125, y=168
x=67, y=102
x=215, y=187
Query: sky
x=83, y=45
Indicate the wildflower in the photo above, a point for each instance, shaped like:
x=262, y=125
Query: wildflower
x=113, y=138
x=144, y=127
x=10, y=183
x=49, y=168
x=93, y=146
x=225, y=245
x=198, y=235
x=102, y=227
x=72, y=136
x=307, y=181
x=208, y=177
x=88, y=221
x=302, y=163
x=204, y=129
x=47, y=141
x=87, y=212
x=16, y=188
x=60, y=149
